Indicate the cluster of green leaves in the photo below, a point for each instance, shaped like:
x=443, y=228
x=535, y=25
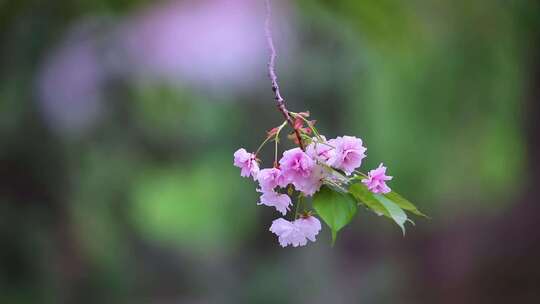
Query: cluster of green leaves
x=338, y=209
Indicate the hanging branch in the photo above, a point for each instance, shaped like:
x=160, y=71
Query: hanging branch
x=273, y=77
x=326, y=170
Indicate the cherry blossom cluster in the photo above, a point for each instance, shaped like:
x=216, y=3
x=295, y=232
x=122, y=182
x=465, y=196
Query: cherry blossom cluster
x=325, y=171
x=303, y=170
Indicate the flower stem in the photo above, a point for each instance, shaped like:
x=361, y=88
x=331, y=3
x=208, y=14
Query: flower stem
x=262, y=145
x=298, y=203
x=361, y=174
x=276, y=140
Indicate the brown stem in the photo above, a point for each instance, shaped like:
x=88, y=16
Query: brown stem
x=273, y=77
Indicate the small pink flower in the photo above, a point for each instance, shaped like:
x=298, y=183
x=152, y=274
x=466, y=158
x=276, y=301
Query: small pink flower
x=320, y=150
x=312, y=183
x=246, y=162
x=295, y=164
x=288, y=233
x=310, y=226
x=300, y=170
x=274, y=199
x=296, y=233
x=376, y=180
x=348, y=155
x=270, y=178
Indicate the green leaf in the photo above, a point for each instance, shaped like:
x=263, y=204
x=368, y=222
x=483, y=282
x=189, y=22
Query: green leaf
x=361, y=193
x=403, y=203
x=336, y=209
x=379, y=204
x=396, y=213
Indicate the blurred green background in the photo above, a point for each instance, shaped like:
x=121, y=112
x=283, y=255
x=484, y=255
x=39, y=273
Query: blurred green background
x=118, y=120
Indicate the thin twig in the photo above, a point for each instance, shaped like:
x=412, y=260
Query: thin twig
x=273, y=77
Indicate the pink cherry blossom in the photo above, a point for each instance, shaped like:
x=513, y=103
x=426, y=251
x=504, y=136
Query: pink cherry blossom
x=296, y=233
x=295, y=164
x=320, y=150
x=348, y=155
x=310, y=226
x=301, y=170
x=274, y=199
x=376, y=180
x=288, y=233
x=246, y=162
x=270, y=178
x=312, y=183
